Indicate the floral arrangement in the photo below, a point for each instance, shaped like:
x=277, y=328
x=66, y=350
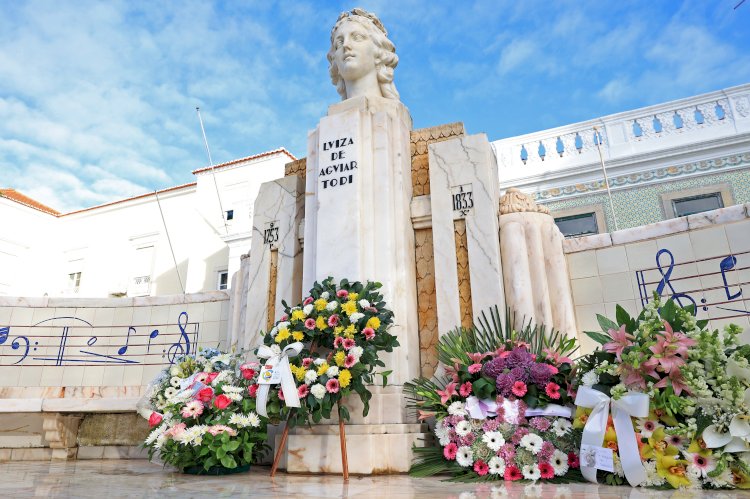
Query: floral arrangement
x=500, y=408
x=202, y=414
x=343, y=328
x=696, y=434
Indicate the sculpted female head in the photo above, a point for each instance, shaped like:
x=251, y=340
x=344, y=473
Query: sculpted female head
x=362, y=58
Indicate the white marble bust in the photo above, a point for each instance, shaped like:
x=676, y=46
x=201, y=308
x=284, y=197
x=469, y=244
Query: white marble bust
x=362, y=58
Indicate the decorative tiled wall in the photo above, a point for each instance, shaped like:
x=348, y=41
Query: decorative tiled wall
x=640, y=202
x=64, y=342
x=703, y=259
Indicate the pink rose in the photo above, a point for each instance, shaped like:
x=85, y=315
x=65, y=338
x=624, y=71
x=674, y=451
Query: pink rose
x=308, y=300
x=369, y=333
x=222, y=401
x=475, y=368
x=247, y=373
x=155, y=419
x=310, y=324
x=332, y=386
x=205, y=395
x=252, y=390
x=342, y=293
x=284, y=318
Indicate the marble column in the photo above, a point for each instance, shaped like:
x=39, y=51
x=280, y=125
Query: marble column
x=275, y=248
x=537, y=284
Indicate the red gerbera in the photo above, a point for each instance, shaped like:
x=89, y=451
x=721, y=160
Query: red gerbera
x=512, y=473
x=573, y=461
x=481, y=467
x=552, y=390
x=546, y=470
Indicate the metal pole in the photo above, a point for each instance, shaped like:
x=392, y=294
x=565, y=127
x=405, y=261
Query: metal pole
x=213, y=173
x=598, y=141
x=169, y=240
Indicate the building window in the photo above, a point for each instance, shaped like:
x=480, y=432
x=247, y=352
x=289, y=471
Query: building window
x=582, y=224
x=223, y=279
x=74, y=282
x=230, y=214
x=696, y=204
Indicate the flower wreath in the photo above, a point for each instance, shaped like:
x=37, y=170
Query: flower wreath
x=343, y=328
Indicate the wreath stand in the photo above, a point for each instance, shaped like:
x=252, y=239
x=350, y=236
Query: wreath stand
x=342, y=437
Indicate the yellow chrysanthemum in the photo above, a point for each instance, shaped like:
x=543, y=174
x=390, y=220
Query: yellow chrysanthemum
x=298, y=315
x=349, y=331
x=345, y=377
x=374, y=323
x=320, y=323
x=320, y=304
x=340, y=357
x=298, y=336
x=337, y=330
x=349, y=307
x=323, y=368
x=282, y=335
x=353, y=296
x=299, y=372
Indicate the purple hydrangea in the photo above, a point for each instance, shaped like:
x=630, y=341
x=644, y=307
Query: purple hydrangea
x=540, y=374
x=494, y=368
x=519, y=357
x=504, y=384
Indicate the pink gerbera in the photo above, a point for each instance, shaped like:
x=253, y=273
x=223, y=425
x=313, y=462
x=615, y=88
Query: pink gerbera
x=481, y=467
x=302, y=391
x=369, y=333
x=349, y=343
x=342, y=293
x=475, y=368
x=465, y=389
x=192, y=409
x=308, y=300
x=306, y=362
x=332, y=386
x=333, y=320
x=519, y=389
x=350, y=361
x=450, y=451
x=552, y=390
x=310, y=324
x=338, y=342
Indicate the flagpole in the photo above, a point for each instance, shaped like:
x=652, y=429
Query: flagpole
x=598, y=141
x=213, y=173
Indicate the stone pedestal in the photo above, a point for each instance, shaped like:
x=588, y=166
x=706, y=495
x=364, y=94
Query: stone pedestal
x=358, y=226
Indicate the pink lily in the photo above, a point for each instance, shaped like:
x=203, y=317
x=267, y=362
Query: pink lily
x=425, y=414
x=648, y=368
x=621, y=339
x=633, y=379
x=666, y=352
x=477, y=357
x=450, y=390
x=678, y=382
x=556, y=357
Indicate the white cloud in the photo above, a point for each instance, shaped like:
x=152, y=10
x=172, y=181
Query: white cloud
x=517, y=53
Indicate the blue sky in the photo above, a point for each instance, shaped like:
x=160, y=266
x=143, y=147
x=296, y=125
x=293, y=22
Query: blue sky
x=97, y=99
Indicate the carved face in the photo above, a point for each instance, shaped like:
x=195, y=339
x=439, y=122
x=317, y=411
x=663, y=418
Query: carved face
x=355, y=51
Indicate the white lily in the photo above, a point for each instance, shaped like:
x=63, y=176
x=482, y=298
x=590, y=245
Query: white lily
x=734, y=369
x=715, y=438
x=737, y=445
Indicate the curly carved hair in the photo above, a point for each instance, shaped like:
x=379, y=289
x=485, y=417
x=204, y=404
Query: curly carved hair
x=386, y=59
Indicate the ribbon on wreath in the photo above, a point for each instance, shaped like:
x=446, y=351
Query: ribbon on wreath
x=632, y=404
x=274, y=371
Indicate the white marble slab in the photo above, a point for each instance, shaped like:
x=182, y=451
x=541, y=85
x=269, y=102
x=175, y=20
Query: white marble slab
x=584, y=243
x=650, y=231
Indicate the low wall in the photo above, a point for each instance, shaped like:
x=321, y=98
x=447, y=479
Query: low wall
x=702, y=259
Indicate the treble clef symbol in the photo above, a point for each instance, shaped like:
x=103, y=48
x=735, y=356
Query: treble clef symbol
x=177, y=349
x=665, y=278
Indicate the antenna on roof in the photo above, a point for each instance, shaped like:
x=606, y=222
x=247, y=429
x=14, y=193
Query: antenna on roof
x=213, y=173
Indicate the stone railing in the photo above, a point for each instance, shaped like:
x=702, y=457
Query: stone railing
x=624, y=136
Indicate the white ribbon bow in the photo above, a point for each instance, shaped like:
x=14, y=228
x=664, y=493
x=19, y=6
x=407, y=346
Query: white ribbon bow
x=280, y=362
x=630, y=404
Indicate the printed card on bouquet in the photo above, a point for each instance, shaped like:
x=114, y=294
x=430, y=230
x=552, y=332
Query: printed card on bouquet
x=597, y=457
x=269, y=374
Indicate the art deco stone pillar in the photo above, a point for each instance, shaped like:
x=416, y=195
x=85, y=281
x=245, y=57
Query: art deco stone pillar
x=535, y=271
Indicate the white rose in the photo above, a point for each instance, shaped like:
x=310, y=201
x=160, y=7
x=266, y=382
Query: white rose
x=318, y=391
x=355, y=317
x=308, y=309
x=319, y=361
x=174, y=370
x=325, y=295
x=364, y=303
x=332, y=372
x=332, y=306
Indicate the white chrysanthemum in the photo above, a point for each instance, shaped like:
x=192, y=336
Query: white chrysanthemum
x=561, y=426
x=311, y=377
x=333, y=305
x=559, y=462
x=192, y=436
x=652, y=476
x=175, y=381
x=244, y=421
x=617, y=464
x=457, y=409
x=156, y=433
x=223, y=358
x=355, y=317
x=235, y=397
x=308, y=309
x=463, y=428
x=232, y=389
x=497, y=465
x=357, y=352
x=160, y=441
x=253, y=419
x=284, y=325
x=532, y=443
x=590, y=378
x=318, y=391
x=722, y=480
x=364, y=303
x=531, y=472
x=465, y=456
x=494, y=440
x=319, y=361
x=332, y=371
x=220, y=378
